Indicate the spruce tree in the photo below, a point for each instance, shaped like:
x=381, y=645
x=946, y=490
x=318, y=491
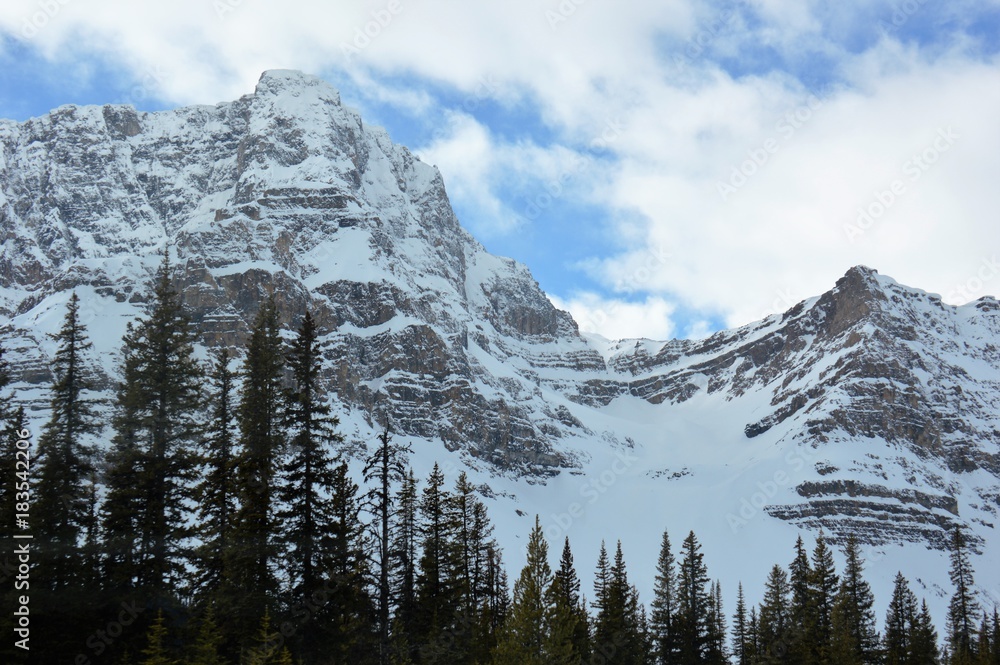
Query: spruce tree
x=157, y=425
x=384, y=468
x=216, y=492
x=155, y=652
x=256, y=530
x=823, y=586
x=900, y=620
x=925, y=639
x=605, y=636
x=307, y=479
x=345, y=626
x=66, y=461
x=403, y=571
x=963, y=611
x=474, y=539
x=717, y=652
x=439, y=586
x=775, y=619
x=802, y=611
x=693, y=604
x=566, y=586
x=742, y=651
x=855, y=637
x=526, y=638
x=208, y=645
x=664, y=605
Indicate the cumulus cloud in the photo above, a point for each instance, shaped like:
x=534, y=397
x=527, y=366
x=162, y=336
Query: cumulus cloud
x=615, y=318
x=761, y=148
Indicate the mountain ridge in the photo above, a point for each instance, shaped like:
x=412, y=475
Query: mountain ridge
x=886, y=397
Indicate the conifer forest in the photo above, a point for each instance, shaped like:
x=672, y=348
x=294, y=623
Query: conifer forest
x=208, y=516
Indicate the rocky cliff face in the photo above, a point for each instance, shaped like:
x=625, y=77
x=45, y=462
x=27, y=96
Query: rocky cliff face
x=891, y=397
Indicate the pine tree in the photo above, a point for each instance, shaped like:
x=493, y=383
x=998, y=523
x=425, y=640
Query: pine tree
x=566, y=586
x=66, y=461
x=256, y=530
x=742, y=651
x=823, y=586
x=267, y=647
x=716, y=651
x=438, y=585
x=384, y=468
x=801, y=610
x=216, y=492
x=924, y=638
x=155, y=652
x=900, y=620
x=753, y=642
x=209, y=643
x=474, y=539
x=855, y=636
x=526, y=636
x=963, y=611
x=693, y=603
x=497, y=603
x=403, y=572
x=775, y=619
x=349, y=615
x=156, y=426
x=308, y=477
x=663, y=605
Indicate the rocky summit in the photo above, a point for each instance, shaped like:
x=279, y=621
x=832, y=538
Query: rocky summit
x=873, y=409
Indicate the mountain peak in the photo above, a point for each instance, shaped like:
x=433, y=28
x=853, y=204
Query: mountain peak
x=278, y=81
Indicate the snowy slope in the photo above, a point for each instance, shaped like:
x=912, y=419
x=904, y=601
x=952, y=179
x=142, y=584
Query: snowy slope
x=869, y=410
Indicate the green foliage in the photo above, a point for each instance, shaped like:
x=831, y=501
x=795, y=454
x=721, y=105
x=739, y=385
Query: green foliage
x=157, y=424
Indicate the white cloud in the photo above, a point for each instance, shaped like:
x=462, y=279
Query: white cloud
x=778, y=238
x=619, y=319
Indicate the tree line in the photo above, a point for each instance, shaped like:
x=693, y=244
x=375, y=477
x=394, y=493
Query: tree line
x=221, y=526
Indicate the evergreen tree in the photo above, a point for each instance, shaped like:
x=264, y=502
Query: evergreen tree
x=216, y=492
x=692, y=620
x=566, y=588
x=349, y=615
x=607, y=632
x=855, y=637
x=474, y=539
x=743, y=653
x=716, y=651
x=963, y=611
x=822, y=591
x=155, y=652
x=156, y=426
x=753, y=643
x=663, y=605
x=527, y=637
x=775, y=624
x=207, y=649
x=256, y=530
x=802, y=612
x=66, y=462
x=309, y=523
x=439, y=588
x=924, y=638
x=267, y=647
x=900, y=621
x=497, y=604
x=403, y=571
x=384, y=468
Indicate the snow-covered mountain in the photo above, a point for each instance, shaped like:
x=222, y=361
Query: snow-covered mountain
x=873, y=409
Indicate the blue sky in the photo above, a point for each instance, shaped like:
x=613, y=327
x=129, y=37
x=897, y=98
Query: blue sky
x=664, y=169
